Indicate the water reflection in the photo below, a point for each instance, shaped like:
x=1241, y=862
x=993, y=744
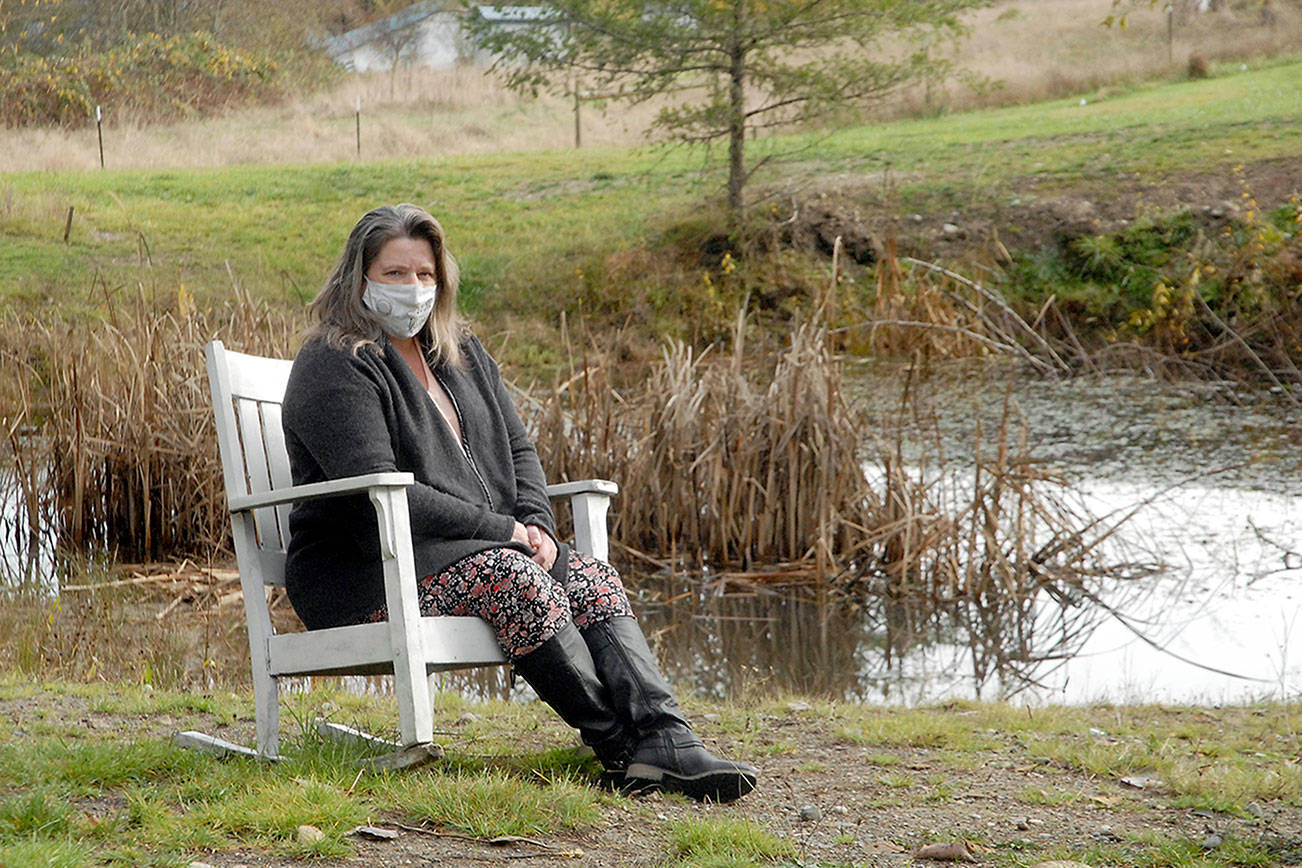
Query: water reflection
x=27, y=559
x=866, y=649
x=761, y=642
x=768, y=642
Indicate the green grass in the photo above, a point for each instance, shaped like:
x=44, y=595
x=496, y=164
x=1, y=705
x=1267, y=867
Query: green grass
x=915, y=728
x=99, y=782
x=1049, y=796
x=725, y=843
x=1156, y=850
x=1150, y=128
x=532, y=231
x=280, y=228
x=81, y=794
x=489, y=805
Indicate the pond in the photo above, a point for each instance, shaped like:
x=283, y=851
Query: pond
x=1208, y=477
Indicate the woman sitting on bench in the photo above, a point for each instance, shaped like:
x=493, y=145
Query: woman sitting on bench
x=390, y=379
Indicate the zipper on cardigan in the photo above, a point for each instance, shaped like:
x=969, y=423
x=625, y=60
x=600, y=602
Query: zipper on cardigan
x=465, y=446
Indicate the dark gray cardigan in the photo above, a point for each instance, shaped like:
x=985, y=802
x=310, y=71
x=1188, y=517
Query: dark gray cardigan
x=351, y=413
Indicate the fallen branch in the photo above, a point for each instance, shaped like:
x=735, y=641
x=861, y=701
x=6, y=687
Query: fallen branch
x=499, y=841
x=996, y=300
x=1014, y=347
x=176, y=601
x=121, y=583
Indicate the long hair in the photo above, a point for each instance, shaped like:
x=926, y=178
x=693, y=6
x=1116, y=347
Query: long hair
x=341, y=318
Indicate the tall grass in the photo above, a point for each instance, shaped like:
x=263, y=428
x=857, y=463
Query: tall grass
x=429, y=113
x=718, y=465
x=109, y=424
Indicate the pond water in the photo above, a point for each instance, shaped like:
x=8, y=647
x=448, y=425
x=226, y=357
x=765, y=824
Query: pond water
x=1210, y=474
x=24, y=562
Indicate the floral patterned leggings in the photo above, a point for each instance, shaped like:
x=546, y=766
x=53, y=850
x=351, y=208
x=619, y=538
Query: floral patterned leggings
x=520, y=600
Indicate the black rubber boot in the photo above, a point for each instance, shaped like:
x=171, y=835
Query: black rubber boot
x=675, y=760
x=669, y=755
x=562, y=673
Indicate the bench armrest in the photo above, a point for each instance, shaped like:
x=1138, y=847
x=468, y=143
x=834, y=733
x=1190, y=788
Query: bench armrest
x=589, y=500
x=317, y=490
x=583, y=486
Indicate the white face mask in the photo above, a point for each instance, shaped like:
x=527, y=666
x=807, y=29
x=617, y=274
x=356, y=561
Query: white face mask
x=402, y=308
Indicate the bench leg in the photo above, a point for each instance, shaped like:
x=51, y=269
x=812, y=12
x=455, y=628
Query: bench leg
x=266, y=703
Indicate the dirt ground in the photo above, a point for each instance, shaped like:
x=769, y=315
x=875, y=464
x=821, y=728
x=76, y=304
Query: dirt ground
x=837, y=799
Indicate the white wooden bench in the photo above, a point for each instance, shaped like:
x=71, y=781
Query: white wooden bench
x=247, y=393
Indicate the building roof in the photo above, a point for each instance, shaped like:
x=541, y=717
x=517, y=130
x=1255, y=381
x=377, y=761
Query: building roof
x=513, y=14
x=414, y=14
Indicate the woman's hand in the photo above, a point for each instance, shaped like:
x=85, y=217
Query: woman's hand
x=544, y=548
x=538, y=541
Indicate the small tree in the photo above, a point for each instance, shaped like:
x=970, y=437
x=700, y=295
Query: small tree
x=730, y=66
x=398, y=45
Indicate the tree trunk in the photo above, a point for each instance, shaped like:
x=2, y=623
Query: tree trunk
x=736, y=121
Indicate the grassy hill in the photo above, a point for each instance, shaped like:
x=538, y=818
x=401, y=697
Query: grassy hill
x=623, y=229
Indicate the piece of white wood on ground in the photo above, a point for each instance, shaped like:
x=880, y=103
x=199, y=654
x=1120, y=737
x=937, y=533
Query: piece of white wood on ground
x=396, y=756
x=346, y=734
x=406, y=758
x=212, y=744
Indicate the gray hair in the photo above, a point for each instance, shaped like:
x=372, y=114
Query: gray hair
x=341, y=318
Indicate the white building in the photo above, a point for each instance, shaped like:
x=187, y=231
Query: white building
x=428, y=33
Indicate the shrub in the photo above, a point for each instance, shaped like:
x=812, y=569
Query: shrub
x=1218, y=294
x=154, y=77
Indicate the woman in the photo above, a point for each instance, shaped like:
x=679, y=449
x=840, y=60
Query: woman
x=390, y=379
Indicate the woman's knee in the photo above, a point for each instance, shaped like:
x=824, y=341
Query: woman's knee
x=496, y=579
x=518, y=598
x=595, y=591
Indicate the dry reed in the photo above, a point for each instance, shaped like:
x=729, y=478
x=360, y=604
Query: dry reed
x=718, y=466
x=109, y=425
x=763, y=470
x=1000, y=548
x=932, y=312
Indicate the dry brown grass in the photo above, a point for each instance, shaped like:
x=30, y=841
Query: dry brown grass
x=432, y=113
x=109, y=424
x=1033, y=50
x=923, y=311
x=1045, y=49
